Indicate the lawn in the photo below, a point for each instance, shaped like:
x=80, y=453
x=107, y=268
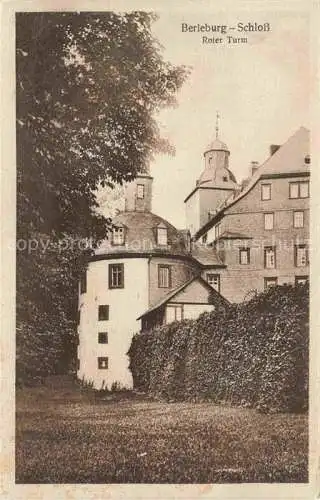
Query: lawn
x=67, y=435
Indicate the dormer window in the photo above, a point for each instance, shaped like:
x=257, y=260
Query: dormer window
x=140, y=191
x=162, y=235
x=118, y=236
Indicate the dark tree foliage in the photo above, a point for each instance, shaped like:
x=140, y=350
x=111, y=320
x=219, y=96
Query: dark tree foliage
x=89, y=86
x=253, y=354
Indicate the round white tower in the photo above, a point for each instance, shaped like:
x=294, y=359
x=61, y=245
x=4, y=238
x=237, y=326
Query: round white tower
x=142, y=260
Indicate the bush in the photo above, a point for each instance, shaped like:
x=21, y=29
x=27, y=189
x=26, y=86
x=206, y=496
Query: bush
x=253, y=354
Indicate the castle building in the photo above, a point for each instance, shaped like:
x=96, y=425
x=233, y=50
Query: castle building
x=240, y=239
x=145, y=270
x=261, y=233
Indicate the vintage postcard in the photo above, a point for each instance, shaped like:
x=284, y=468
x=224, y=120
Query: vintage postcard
x=160, y=220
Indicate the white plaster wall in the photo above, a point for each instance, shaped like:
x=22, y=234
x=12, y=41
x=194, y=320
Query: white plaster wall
x=192, y=206
x=125, y=305
x=192, y=311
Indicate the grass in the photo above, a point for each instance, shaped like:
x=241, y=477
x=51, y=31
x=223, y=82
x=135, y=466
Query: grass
x=67, y=435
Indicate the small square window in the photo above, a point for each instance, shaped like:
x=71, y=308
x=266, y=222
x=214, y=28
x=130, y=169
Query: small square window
x=118, y=236
x=164, y=276
x=174, y=313
x=225, y=178
x=298, y=219
x=269, y=257
x=301, y=280
x=103, y=337
x=103, y=313
x=265, y=191
x=269, y=282
x=140, y=191
x=116, y=275
x=103, y=363
x=244, y=256
x=83, y=282
x=269, y=221
x=214, y=281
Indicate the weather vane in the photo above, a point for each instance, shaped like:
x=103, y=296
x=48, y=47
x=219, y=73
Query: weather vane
x=217, y=124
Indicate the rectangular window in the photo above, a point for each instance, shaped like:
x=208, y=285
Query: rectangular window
x=204, y=238
x=304, y=189
x=164, y=276
x=214, y=281
x=294, y=190
x=103, y=313
x=217, y=231
x=265, y=191
x=269, y=221
x=140, y=191
x=301, y=256
x=298, y=219
x=244, y=255
x=174, y=313
x=162, y=236
x=301, y=280
x=102, y=337
x=118, y=236
x=299, y=189
x=116, y=275
x=103, y=363
x=269, y=257
x=83, y=282
x=268, y=282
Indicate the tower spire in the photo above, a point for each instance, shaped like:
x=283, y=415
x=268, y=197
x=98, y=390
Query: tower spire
x=217, y=124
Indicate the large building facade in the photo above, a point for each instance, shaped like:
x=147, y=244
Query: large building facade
x=261, y=233
x=240, y=239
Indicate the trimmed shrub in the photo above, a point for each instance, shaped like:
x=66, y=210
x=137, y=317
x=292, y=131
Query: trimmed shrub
x=252, y=354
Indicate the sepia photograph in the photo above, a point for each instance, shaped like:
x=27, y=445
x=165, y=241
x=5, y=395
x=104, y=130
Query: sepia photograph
x=163, y=181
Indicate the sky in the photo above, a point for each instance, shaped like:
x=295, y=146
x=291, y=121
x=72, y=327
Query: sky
x=261, y=90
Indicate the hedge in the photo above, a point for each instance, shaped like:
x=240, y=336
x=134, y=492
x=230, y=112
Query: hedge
x=252, y=354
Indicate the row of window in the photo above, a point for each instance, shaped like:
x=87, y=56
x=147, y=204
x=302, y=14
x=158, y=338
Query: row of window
x=297, y=189
x=273, y=281
x=214, y=281
x=116, y=271
x=103, y=363
x=300, y=256
x=118, y=235
x=297, y=220
x=116, y=277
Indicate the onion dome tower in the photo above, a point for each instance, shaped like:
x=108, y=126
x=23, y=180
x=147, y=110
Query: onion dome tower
x=214, y=185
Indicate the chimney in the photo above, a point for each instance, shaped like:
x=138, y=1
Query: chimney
x=254, y=167
x=274, y=148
